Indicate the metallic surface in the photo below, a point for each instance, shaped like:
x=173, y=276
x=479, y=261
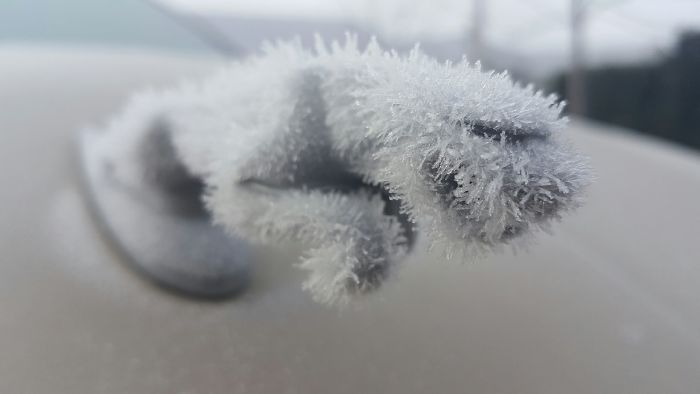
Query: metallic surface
x=607, y=304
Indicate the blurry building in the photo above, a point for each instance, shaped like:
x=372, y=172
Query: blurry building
x=661, y=99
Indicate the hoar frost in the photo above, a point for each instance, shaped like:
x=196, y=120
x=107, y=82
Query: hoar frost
x=353, y=151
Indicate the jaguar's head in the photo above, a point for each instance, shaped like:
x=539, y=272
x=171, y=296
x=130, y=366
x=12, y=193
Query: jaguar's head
x=477, y=160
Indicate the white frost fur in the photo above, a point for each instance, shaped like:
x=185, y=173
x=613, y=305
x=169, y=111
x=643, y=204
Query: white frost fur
x=474, y=158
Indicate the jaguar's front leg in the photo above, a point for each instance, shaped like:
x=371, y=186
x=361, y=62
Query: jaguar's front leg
x=354, y=233
x=353, y=237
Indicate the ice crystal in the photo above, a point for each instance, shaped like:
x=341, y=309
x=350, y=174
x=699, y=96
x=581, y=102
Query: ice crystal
x=321, y=146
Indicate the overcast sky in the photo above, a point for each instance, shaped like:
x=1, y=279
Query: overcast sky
x=616, y=30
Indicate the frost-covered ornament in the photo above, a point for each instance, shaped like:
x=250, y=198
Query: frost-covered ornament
x=353, y=151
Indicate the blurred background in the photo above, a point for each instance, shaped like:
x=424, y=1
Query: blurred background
x=632, y=63
x=608, y=302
